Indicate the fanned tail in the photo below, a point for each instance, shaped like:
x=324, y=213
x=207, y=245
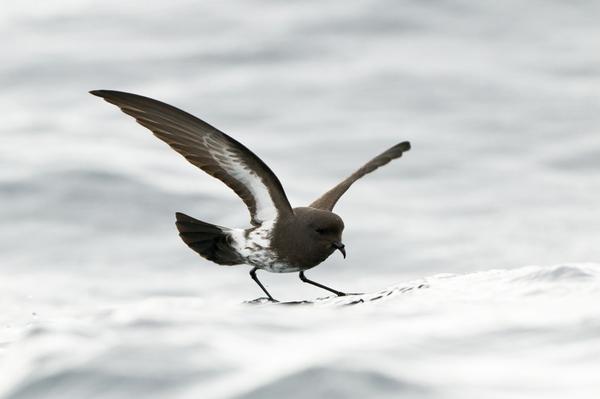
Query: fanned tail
x=210, y=241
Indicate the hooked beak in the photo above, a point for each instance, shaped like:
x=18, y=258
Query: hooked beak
x=340, y=246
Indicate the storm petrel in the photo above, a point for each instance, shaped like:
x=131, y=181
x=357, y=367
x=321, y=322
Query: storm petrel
x=282, y=239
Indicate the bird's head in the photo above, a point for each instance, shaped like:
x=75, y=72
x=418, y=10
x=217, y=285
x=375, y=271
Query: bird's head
x=322, y=230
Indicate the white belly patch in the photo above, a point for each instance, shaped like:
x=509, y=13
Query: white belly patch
x=255, y=248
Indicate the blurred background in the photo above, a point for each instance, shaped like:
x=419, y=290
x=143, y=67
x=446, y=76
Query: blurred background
x=500, y=100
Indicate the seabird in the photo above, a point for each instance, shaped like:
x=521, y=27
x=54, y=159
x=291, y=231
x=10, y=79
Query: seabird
x=281, y=239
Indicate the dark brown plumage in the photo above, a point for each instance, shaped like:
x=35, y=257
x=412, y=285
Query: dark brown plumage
x=194, y=139
x=282, y=239
x=328, y=200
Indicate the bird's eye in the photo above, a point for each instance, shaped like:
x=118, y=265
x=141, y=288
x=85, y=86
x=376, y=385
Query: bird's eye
x=320, y=230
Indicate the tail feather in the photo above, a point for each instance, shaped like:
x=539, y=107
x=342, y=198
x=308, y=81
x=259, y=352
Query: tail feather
x=210, y=241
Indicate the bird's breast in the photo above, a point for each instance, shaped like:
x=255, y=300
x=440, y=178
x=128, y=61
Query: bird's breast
x=255, y=247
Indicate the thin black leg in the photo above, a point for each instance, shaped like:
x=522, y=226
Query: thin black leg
x=253, y=275
x=336, y=292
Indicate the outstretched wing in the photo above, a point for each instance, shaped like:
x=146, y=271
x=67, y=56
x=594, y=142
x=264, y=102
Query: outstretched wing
x=328, y=200
x=211, y=150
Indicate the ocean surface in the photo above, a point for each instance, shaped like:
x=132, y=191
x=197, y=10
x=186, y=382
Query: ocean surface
x=477, y=251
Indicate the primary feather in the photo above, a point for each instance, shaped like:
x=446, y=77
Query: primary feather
x=211, y=150
x=328, y=200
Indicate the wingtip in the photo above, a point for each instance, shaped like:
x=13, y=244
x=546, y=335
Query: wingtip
x=106, y=93
x=97, y=93
x=402, y=147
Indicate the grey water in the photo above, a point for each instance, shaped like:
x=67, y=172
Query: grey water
x=500, y=100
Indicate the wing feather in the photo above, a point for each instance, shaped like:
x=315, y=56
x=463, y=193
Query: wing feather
x=211, y=150
x=328, y=200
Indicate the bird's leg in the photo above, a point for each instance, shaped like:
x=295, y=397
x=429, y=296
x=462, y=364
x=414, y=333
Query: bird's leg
x=253, y=275
x=336, y=292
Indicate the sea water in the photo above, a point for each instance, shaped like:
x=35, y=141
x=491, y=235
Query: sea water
x=99, y=298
